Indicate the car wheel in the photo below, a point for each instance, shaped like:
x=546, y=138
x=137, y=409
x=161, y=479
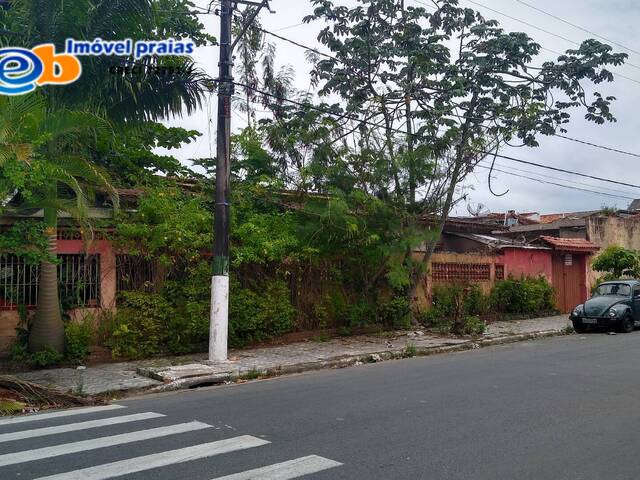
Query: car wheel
x=579, y=327
x=627, y=324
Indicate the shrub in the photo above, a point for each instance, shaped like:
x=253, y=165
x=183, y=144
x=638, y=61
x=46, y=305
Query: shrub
x=256, y=317
x=46, y=358
x=18, y=352
x=141, y=326
x=395, y=313
x=444, y=299
x=473, y=326
x=79, y=336
x=528, y=296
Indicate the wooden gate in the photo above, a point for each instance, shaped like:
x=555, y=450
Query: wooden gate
x=569, y=277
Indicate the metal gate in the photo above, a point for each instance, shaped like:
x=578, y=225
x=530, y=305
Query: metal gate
x=569, y=277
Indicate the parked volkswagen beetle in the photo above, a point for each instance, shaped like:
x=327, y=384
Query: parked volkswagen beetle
x=614, y=304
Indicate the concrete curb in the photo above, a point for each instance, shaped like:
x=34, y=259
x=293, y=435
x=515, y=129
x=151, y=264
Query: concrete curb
x=338, y=362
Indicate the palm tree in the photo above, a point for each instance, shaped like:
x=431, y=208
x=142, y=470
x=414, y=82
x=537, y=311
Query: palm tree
x=41, y=150
x=132, y=98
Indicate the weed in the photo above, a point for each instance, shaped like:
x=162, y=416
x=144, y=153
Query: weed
x=252, y=374
x=410, y=351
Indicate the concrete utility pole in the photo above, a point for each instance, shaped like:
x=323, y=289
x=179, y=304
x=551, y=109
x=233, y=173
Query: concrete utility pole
x=219, y=326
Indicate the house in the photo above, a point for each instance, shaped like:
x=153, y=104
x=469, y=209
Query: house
x=468, y=253
x=90, y=274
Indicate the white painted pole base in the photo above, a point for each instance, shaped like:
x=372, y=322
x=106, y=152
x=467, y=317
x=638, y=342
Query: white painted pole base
x=219, y=326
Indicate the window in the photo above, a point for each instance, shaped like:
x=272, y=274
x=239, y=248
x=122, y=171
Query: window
x=78, y=281
x=568, y=260
x=18, y=282
x=499, y=272
x=452, y=272
x=133, y=273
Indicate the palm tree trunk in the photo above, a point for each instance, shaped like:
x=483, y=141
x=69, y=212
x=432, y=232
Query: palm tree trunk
x=47, y=329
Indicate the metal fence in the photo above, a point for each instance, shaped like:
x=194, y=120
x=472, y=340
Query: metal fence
x=78, y=281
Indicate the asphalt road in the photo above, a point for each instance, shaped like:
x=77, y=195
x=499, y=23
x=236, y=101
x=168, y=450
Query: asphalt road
x=561, y=408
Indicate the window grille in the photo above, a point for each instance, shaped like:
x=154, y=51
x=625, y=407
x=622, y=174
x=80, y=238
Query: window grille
x=78, y=281
x=499, y=272
x=133, y=273
x=459, y=272
x=18, y=282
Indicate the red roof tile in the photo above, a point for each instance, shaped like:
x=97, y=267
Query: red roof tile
x=570, y=244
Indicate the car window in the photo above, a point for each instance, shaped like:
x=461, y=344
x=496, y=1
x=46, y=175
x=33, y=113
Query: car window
x=636, y=291
x=620, y=289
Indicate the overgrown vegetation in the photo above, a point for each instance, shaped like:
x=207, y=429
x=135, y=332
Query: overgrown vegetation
x=460, y=308
x=328, y=210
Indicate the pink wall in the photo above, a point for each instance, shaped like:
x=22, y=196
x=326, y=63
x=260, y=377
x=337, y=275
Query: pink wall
x=524, y=262
x=107, y=265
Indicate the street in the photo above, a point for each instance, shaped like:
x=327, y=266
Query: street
x=560, y=408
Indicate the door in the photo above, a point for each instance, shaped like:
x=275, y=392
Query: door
x=569, y=277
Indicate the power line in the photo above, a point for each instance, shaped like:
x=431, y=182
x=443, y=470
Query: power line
x=545, y=31
x=562, y=170
x=566, y=180
x=578, y=27
x=297, y=44
x=603, y=147
x=366, y=122
x=611, y=149
x=556, y=184
x=524, y=22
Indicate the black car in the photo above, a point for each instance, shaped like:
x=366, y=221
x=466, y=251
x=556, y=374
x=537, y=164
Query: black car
x=614, y=304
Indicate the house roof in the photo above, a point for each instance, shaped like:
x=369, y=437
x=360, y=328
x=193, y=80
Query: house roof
x=577, y=245
x=554, y=217
x=497, y=243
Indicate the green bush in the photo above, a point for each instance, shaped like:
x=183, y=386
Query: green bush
x=18, y=352
x=474, y=301
x=525, y=296
x=396, y=313
x=254, y=317
x=473, y=326
x=141, y=326
x=79, y=336
x=46, y=358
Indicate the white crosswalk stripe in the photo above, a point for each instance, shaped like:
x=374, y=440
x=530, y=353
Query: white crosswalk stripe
x=140, y=464
x=74, y=427
x=286, y=470
x=67, y=448
x=59, y=414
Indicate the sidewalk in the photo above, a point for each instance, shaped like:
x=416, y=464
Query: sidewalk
x=184, y=372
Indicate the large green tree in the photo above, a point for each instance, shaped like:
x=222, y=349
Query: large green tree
x=444, y=87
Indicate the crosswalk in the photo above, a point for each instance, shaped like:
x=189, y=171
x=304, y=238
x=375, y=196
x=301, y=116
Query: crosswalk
x=11, y=430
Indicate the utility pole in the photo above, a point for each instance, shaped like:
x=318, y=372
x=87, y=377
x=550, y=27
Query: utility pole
x=219, y=326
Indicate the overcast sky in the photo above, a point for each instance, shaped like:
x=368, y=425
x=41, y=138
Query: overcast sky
x=616, y=20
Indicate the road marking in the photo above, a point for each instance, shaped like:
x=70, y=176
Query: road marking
x=63, y=413
x=74, y=427
x=157, y=460
x=286, y=470
x=67, y=448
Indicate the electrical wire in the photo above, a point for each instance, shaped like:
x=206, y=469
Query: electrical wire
x=578, y=27
x=542, y=30
x=366, y=122
x=556, y=184
x=603, y=147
